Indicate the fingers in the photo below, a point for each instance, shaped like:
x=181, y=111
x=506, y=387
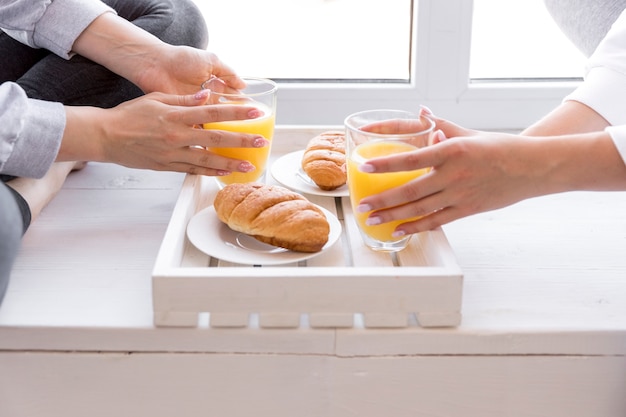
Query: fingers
x=448, y=128
x=212, y=113
x=397, y=126
x=429, y=222
x=179, y=143
x=198, y=112
x=415, y=198
x=199, y=161
x=226, y=73
x=206, y=138
x=423, y=158
x=428, y=209
x=189, y=111
x=219, y=85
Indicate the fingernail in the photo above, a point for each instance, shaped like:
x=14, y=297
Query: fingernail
x=201, y=95
x=260, y=142
x=373, y=221
x=425, y=110
x=363, y=208
x=246, y=167
x=222, y=173
x=254, y=113
x=440, y=136
x=367, y=168
x=398, y=233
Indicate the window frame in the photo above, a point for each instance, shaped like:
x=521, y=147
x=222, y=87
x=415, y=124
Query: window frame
x=440, y=63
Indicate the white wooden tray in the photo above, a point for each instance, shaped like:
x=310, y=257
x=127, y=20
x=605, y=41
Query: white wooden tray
x=344, y=283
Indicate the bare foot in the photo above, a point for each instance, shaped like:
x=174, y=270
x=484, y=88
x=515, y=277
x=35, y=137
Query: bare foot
x=39, y=192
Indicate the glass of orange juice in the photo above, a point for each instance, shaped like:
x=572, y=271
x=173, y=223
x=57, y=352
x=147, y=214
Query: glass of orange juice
x=375, y=133
x=260, y=93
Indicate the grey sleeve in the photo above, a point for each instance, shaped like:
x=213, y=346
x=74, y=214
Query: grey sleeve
x=52, y=25
x=30, y=132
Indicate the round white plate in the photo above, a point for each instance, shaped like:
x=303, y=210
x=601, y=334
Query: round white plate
x=206, y=232
x=288, y=171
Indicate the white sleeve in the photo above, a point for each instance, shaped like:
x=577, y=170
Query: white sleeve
x=604, y=88
x=618, y=134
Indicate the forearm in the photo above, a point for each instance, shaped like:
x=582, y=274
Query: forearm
x=120, y=46
x=583, y=153
x=586, y=161
x=568, y=118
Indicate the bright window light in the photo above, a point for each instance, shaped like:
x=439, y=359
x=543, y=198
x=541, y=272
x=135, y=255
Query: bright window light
x=519, y=40
x=312, y=39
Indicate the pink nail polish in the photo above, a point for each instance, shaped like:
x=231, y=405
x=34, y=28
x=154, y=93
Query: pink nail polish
x=367, y=168
x=201, y=95
x=246, y=167
x=363, y=208
x=373, y=221
x=255, y=113
x=260, y=142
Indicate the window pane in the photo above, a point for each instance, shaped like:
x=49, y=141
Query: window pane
x=513, y=39
x=312, y=39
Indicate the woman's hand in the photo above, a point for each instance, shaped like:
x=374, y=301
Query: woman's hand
x=158, y=132
x=182, y=70
x=471, y=173
x=474, y=171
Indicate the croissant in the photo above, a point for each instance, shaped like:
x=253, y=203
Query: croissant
x=324, y=160
x=273, y=215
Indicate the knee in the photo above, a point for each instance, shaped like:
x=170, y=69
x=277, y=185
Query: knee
x=188, y=26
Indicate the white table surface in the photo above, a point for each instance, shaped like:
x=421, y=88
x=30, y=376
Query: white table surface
x=543, y=329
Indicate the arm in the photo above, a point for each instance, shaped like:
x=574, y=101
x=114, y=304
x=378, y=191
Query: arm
x=570, y=117
x=148, y=62
x=92, y=29
x=36, y=129
x=475, y=172
x=581, y=145
x=158, y=131
x=51, y=25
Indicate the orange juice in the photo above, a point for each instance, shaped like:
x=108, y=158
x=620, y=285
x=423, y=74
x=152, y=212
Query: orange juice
x=263, y=126
x=362, y=184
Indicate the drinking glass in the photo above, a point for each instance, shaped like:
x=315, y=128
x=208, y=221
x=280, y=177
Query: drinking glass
x=260, y=93
x=375, y=133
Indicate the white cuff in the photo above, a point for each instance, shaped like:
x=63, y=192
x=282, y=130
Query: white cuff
x=618, y=134
x=604, y=90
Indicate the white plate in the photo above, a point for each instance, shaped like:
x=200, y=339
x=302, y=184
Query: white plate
x=211, y=236
x=288, y=171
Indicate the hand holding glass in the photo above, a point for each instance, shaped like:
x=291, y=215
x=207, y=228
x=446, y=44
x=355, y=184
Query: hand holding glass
x=260, y=93
x=375, y=133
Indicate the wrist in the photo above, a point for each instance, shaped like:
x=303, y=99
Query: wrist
x=84, y=134
x=120, y=46
x=579, y=162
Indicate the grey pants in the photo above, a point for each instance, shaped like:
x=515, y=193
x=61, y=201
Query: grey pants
x=79, y=81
